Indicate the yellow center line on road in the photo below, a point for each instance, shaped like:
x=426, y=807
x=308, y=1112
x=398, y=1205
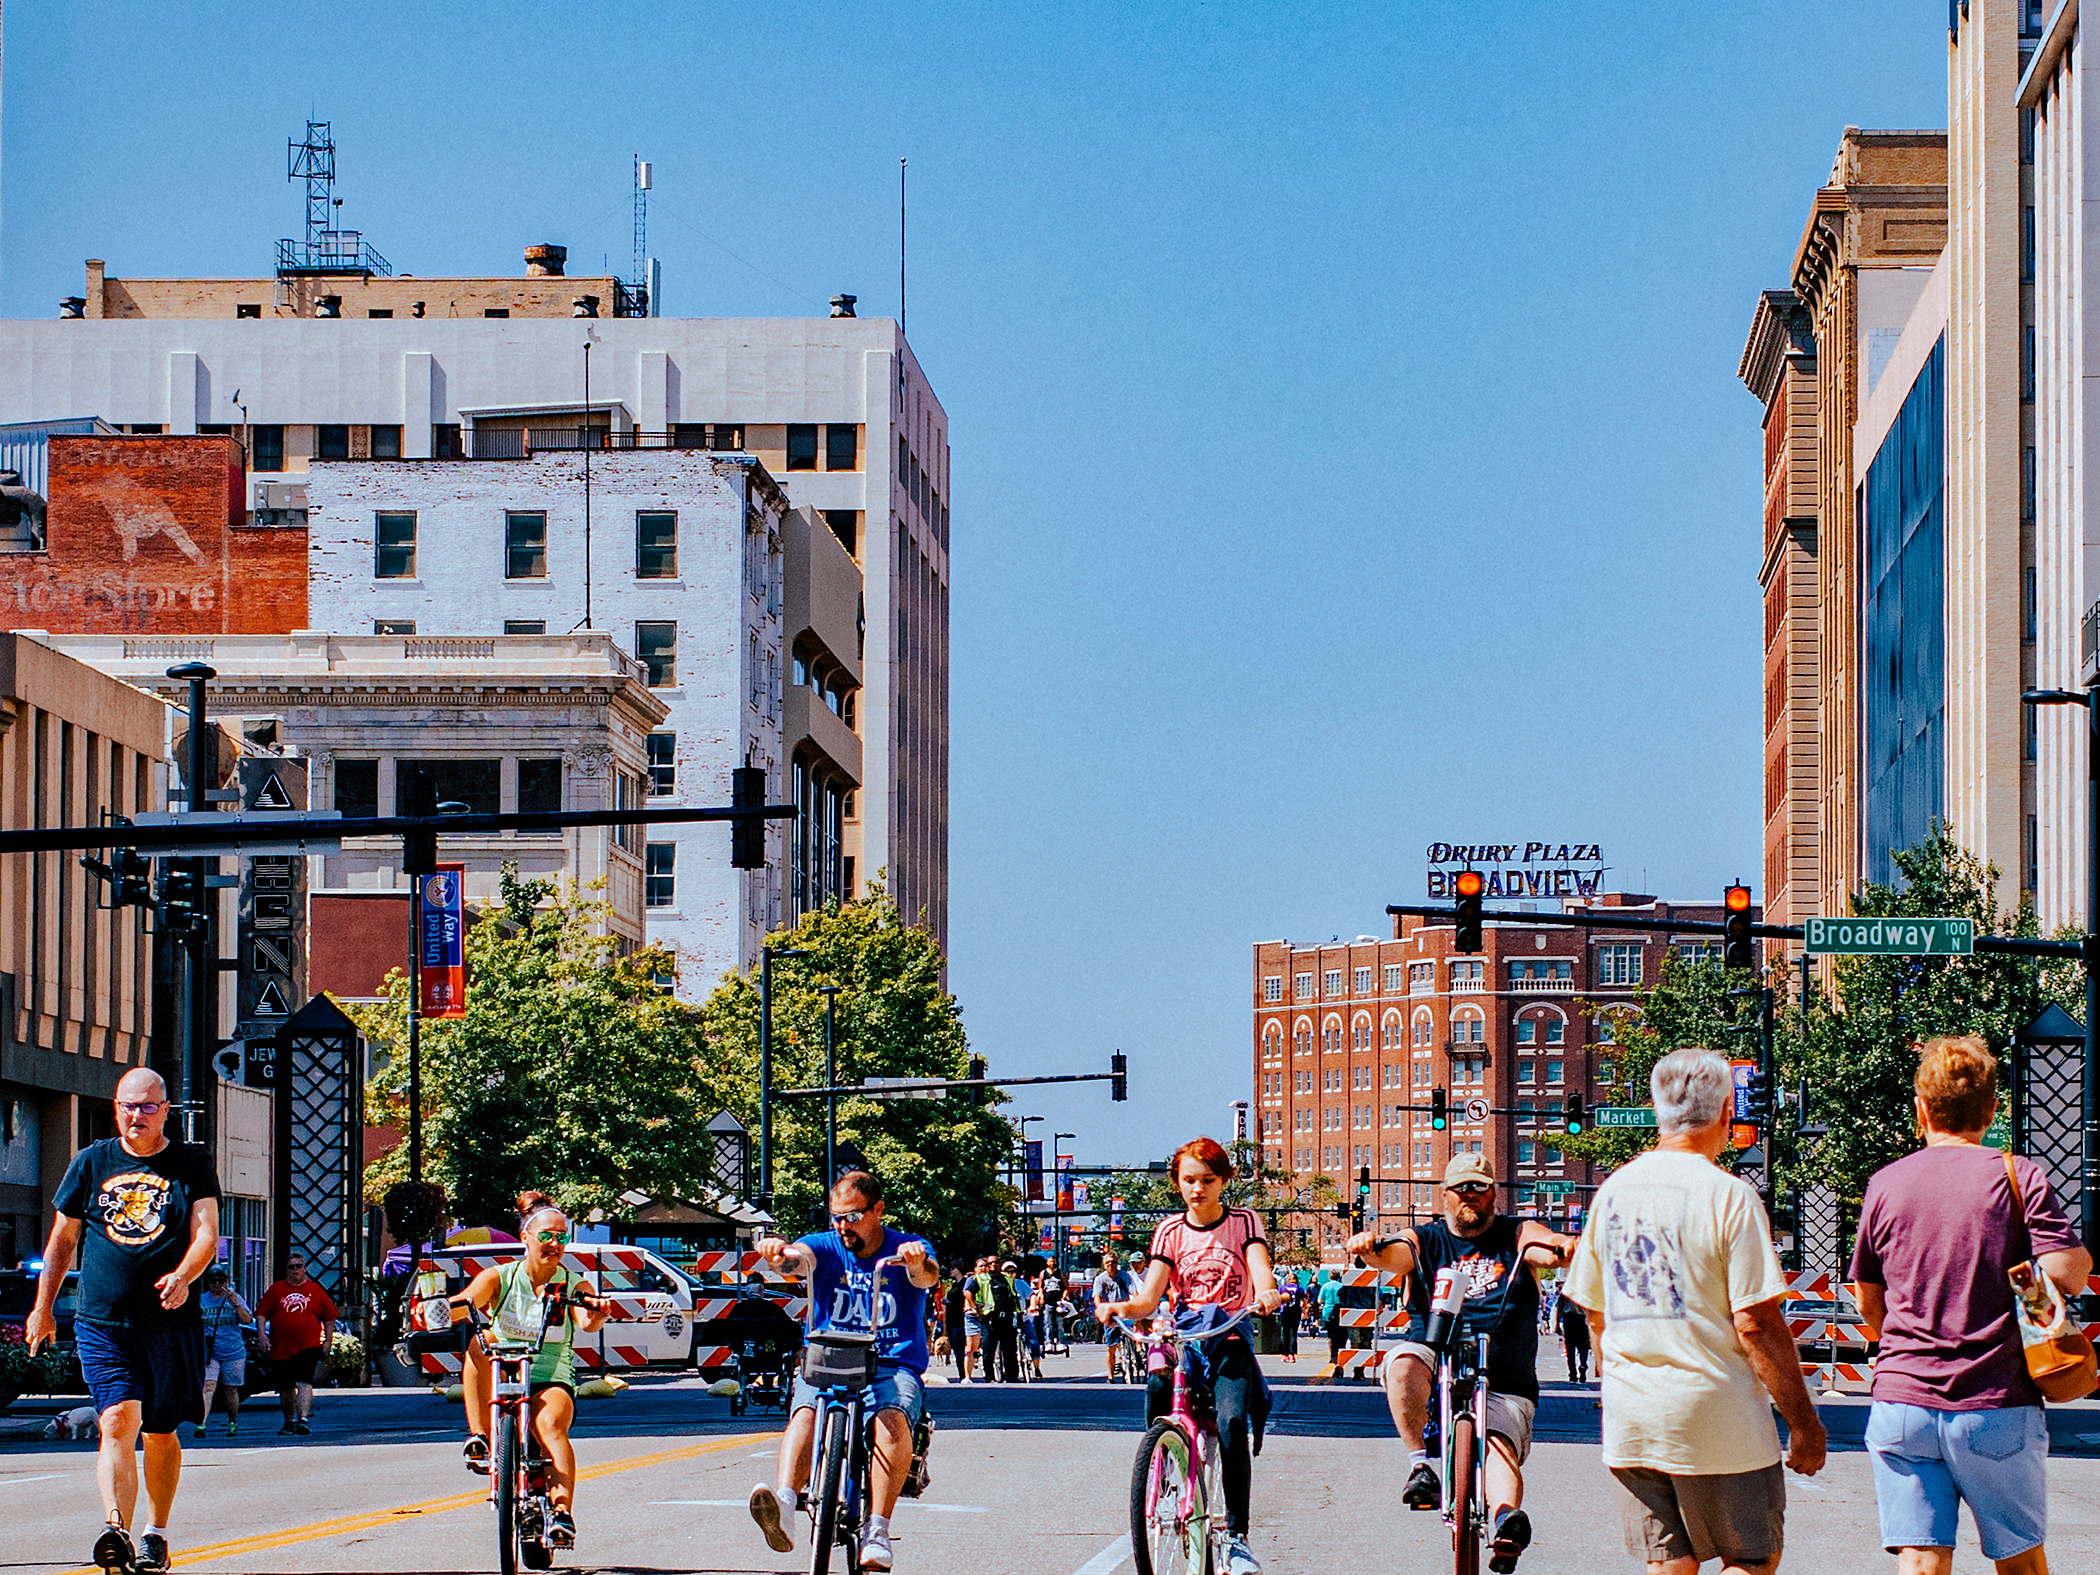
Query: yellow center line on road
x=436, y=1506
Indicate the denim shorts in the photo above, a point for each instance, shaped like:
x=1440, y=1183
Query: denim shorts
x=1927, y=1462
x=159, y=1366
x=894, y=1389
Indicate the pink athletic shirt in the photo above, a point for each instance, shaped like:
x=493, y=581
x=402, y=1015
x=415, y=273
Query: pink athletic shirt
x=1209, y=1266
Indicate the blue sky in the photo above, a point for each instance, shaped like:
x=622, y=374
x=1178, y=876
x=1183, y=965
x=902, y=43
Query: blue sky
x=1348, y=453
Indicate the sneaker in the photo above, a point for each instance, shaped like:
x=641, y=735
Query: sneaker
x=113, y=1550
x=302, y=1427
x=1423, y=1490
x=561, y=1530
x=1512, y=1537
x=1239, y=1558
x=233, y=1428
x=153, y=1552
x=476, y=1454
x=774, y=1516
x=286, y=1431
x=875, y=1549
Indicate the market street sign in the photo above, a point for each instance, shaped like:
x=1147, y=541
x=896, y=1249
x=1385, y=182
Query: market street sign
x=1624, y=1115
x=1895, y=937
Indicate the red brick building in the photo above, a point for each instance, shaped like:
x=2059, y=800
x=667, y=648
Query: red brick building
x=151, y=535
x=1348, y=1033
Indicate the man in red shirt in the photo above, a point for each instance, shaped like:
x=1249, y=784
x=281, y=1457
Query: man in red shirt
x=295, y=1321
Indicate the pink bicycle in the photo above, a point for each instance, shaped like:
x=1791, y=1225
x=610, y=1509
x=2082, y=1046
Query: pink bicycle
x=1177, y=1510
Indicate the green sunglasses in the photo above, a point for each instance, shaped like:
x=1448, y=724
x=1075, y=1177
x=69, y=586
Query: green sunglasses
x=551, y=1235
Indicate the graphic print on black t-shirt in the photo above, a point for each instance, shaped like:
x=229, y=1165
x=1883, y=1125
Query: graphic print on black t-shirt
x=135, y=1226
x=1502, y=1298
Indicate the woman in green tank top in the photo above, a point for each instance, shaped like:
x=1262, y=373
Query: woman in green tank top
x=514, y=1295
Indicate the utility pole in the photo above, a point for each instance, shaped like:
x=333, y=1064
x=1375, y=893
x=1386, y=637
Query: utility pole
x=830, y=992
x=766, y=955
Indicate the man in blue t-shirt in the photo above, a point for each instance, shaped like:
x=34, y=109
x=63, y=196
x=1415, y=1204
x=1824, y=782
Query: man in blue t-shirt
x=844, y=1295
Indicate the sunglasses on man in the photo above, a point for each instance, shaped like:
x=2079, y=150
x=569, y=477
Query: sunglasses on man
x=854, y=1218
x=1473, y=1189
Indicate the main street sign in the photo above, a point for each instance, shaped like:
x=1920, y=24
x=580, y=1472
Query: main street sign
x=1553, y=1189
x=1891, y=937
x=1624, y=1115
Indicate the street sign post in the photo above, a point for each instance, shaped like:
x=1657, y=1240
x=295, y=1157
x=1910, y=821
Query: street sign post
x=1624, y=1115
x=1890, y=937
x=1553, y=1189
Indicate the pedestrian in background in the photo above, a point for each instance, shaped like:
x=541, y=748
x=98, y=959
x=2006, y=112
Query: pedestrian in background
x=953, y=1316
x=1331, y=1313
x=973, y=1324
x=1288, y=1314
x=225, y=1352
x=1956, y=1418
x=295, y=1321
x=1574, y=1337
x=1677, y=1273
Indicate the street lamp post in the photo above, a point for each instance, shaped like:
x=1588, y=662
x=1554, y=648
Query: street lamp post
x=1057, y=1203
x=2089, y=1105
x=200, y=974
x=766, y=954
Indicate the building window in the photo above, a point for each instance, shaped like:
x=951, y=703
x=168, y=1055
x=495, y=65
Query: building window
x=656, y=647
x=1363, y=981
x=1393, y=976
x=1301, y=985
x=1527, y=1032
x=841, y=447
x=474, y=783
x=1421, y=978
x=266, y=448
x=1334, y=981
x=357, y=789
x=394, y=546
x=802, y=448
x=660, y=883
x=495, y=311
x=1556, y=1031
x=1555, y=1071
x=627, y=794
x=539, y=787
x=1525, y=1153
x=845, y=524
x=254, y=308
x=2027, y=244
x=386, y=442
x=1527, y=1071
x=2027, y=364
x=524, y=626
x=655, y=544
x=663, y=764
x=333, y=442
x=524, y=546
x=1619, y=964
x=447, y=441
x=1272, y=988
x=394, y=626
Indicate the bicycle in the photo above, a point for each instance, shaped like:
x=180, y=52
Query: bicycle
x=1129, y=1362
x=1177, y=1519
x=517, y=1466
x=839, y=1364
x=1458, y=1426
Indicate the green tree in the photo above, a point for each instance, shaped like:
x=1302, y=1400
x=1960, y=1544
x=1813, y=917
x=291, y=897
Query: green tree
x=941, y=1160
x=572, y=1070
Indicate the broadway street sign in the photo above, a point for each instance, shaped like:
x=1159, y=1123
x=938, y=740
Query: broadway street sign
x=1895, y=937
x=1624, y=1115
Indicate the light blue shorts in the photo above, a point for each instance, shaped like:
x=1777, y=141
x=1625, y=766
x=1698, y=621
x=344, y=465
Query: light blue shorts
x=1927, y=1462
x=894, y=1389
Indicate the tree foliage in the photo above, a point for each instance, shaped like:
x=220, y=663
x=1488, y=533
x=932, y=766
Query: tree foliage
x=1295, y=1213
x=572, y=1071
x=941, y=1160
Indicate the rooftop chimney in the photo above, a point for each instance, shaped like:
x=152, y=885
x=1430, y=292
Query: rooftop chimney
x=94, y=286
x=546, y=261
x=842, y=305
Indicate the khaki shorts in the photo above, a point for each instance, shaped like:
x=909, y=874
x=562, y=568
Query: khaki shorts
x=1738, y=1517
x=1509, y=1416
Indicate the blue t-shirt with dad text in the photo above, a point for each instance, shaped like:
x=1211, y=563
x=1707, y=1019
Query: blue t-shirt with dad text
x=843, y=1288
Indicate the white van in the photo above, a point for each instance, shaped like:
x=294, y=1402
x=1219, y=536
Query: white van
x=651, y=1326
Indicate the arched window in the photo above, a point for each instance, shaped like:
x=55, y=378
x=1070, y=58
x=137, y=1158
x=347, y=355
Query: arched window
x=1360, y=1031
x=1389, y=1039
x=1425, y=1027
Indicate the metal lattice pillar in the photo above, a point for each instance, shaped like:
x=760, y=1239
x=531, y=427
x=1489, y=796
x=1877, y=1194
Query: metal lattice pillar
x=2051, y=1119
x=319, y=1141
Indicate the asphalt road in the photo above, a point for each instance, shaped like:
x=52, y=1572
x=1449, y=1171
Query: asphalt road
x=1029, y=1479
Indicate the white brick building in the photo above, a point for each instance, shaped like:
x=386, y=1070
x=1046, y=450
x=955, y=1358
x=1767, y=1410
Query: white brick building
x=686, y=570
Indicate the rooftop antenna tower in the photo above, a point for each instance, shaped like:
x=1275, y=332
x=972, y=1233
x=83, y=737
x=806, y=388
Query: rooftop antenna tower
x=314, y=162
x=641, y=291
x=327, y=249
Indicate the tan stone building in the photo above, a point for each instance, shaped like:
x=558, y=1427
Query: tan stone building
x=1865, y=259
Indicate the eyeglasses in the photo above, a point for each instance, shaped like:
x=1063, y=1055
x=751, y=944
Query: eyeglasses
x=1474, y=1188
x=551, y=1236
x=141, y=1107
x=849, y=1219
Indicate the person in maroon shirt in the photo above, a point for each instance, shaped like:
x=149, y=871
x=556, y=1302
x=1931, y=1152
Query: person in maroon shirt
x=294, y=1322
x=1956, y=1418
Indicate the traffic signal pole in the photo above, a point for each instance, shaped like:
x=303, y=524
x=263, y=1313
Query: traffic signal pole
x=200, y=974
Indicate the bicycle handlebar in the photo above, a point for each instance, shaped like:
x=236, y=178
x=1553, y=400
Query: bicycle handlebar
x=1161, y=1337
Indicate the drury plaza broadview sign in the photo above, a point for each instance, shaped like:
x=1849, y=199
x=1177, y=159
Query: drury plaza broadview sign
x=1519, y=870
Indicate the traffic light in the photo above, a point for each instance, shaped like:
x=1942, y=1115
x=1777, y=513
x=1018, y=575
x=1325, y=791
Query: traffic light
x=1757, y=1098
x=1468, y=884
x=747, y=835
x=1736, y=951
x=1119, y=1077
x=415, y=794
x=977, y=1066
x=1363, y=1195
x=1439, y=1109
x=1574, y=1123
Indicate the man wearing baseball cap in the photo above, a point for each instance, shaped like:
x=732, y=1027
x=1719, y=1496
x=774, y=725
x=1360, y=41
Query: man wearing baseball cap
x=1496, y=1256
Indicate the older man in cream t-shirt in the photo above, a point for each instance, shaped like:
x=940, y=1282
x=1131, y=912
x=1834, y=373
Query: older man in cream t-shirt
x=1677, y=1274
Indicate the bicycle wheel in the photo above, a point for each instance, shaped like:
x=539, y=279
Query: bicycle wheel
x=504, y=1468
x=1168, y=1523
x=829, y=1486
x=1465, y=1491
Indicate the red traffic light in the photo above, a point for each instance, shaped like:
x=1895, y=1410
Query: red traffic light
x=1468, y=883
x=1737, y=899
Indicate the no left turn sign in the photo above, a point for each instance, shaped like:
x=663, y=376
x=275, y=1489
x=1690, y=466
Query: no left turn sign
x=1476, y=1110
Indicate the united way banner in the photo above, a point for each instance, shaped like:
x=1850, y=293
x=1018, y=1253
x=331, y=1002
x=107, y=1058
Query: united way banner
x=1034, y=1163
x=441, y=943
